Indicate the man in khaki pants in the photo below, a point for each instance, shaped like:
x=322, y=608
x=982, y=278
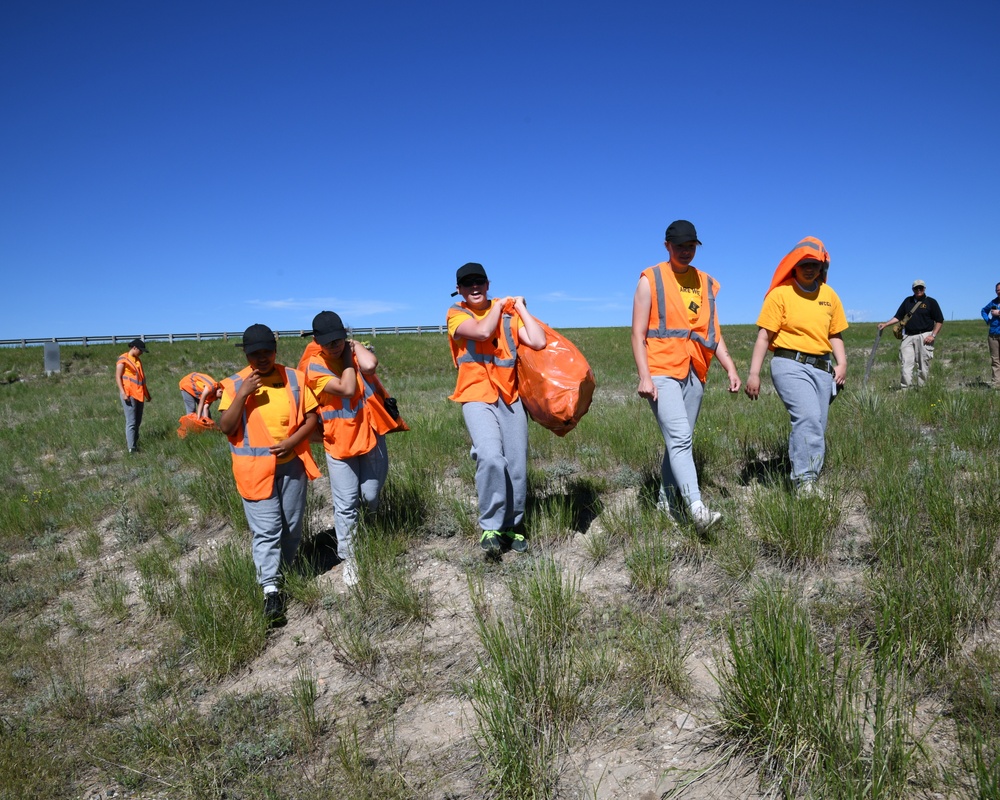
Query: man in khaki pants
x=923, y=322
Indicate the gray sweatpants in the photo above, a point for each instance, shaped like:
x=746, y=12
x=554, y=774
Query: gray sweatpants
x=676, y=409
x=353, y=481
x=190, y=402
x=500, y=449
x=806, y=393
x=277, y=522
x=133, y=419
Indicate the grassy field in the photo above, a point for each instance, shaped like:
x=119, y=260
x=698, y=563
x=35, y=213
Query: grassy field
x=839, y=646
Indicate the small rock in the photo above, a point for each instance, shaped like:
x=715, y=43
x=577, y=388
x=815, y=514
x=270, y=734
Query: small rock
x=685, y=722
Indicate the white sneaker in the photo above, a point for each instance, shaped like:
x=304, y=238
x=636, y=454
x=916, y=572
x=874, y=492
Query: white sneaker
x=704, y=519
x=350, y=572
x=808, y=489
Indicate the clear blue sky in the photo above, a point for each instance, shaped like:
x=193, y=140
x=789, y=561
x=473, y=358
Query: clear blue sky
x=201, y=166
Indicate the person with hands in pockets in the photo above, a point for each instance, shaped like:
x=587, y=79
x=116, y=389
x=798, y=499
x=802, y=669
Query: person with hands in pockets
x=675, y=335
x=132, y=390
x=801, y=322
x=268, y=413
x=484, y=335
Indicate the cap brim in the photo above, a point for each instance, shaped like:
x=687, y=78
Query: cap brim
x=256, y=346
x=330, y=336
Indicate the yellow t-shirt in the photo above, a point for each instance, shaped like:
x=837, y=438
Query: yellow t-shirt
x=804, y=321
x=320, y=381
x=690, y=288
x=272, y=405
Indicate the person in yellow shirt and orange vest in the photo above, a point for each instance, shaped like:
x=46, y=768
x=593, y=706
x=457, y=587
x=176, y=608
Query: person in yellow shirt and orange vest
x=199, y=391
x=268, y=413
x=675, y=335
x=484, y=336
x=132, y=389
x=801, y=322
x=356, y=455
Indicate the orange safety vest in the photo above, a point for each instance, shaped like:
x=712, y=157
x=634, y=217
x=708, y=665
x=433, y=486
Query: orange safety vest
x=250, y=443
x=486, y=370
x=809, y=248
x=133, y=378
x=348, y=427
x=312, y=349
x=672, y=351
x=196, y=383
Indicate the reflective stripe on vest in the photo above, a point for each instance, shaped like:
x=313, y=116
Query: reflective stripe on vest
x=193, y=379
x=247, y=450
x=346, y=411
x=471, y=356
x=125, y=374
x=682, y=333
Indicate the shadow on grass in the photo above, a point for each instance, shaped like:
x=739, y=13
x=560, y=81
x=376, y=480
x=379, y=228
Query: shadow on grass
x=580, y=504
x=767, y=471
x=318, y=553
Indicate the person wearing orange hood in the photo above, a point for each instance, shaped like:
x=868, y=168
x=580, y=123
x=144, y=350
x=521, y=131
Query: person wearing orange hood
x=801, y=322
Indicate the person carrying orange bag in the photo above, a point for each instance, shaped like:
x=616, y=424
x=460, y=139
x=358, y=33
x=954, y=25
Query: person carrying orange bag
x=484, y=343
x=341, y=375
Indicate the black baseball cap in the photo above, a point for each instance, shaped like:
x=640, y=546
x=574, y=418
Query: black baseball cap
x=681, y=231
x=258, y=337
x=137, y=343
x=327, y=328
x=470, y=270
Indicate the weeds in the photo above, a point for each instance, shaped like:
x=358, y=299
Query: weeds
x=801, y=530
x=566, y=659
x=813, y=719
x=219, y=610
x=648, y=562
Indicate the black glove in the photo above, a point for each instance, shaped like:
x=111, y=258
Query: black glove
x=392, y=407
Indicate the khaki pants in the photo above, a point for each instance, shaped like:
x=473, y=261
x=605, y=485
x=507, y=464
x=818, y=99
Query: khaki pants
x=995, y=360
x=913, y=352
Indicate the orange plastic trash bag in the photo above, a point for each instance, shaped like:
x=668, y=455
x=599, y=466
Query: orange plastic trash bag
x=383, y=407
x=385, y=410
x=192, y=423
x=556, y=384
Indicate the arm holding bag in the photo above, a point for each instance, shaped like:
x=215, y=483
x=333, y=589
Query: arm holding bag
x=556, y=384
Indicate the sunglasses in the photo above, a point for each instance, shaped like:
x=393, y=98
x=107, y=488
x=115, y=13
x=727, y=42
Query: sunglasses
x=475, y=281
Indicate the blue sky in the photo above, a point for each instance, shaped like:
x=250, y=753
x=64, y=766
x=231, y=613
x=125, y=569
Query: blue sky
x=198, y=167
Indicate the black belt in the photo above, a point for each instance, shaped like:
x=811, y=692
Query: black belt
x=917, y=333
x=820, y=362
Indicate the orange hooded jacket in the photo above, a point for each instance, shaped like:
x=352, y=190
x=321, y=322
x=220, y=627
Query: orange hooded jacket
x=809, y=249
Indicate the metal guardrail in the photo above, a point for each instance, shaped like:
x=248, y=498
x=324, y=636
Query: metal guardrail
x=224, y=335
